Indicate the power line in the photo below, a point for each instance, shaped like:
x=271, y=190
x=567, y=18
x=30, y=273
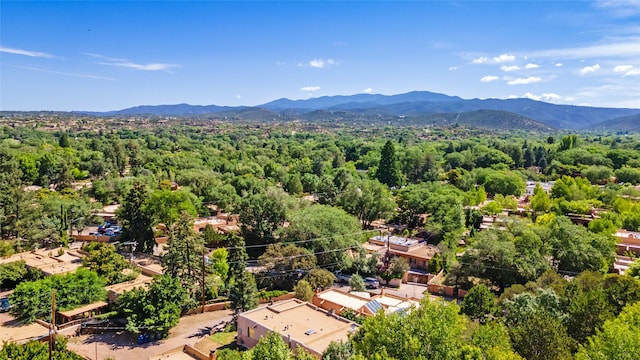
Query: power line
x=298, y=241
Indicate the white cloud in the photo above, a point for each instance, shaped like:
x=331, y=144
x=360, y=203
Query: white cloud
x=628, y=70
x=622, y=68
x=532, y=66
x=500, y=59
x=558, y=64
x=489, y=78
x=367, y=90
x=632, y=72
x=78, y=75
x=524, y=81
x=125, y=63
x=510, y=68
x=310, y=88
x=504, y=58
x=319, y=63
x=144, y=67
x=453, y=68
x=621, y=8
x=629, y=48
x=25, y=52
x=544, y=97
x=589, y=69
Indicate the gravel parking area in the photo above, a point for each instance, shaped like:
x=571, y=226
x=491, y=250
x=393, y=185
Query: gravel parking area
x=124, y=346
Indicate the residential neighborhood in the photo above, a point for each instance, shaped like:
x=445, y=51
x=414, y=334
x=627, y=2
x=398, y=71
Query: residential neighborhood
x=240, y=240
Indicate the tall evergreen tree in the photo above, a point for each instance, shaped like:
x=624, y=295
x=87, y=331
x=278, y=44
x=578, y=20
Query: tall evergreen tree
x=64, y=140
x=242, y=284
x=388, y=170
x=137, y=220
x=183, y=258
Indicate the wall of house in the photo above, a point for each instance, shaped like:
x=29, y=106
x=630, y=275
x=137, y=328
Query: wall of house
x=210, y=307
x=327, y=305
x=97, y=238
x=249, y=332
x=190, y=350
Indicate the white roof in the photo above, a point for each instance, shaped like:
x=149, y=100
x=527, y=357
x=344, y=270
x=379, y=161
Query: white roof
x=346, y=300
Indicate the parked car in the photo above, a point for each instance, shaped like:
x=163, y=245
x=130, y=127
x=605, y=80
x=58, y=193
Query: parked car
x=342, y=277
x=104, y=226
x=371, y=283
x=5, y=305
x=113, y=231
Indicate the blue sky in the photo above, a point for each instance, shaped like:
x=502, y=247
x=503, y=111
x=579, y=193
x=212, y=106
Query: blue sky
x=109, y=55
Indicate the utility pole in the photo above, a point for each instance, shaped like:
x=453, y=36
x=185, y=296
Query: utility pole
x=52, y=326
x=203, y=272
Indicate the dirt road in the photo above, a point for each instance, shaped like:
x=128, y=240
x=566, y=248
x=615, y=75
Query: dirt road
x=124, y=346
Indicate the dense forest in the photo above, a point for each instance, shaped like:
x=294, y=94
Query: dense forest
x=307, y=196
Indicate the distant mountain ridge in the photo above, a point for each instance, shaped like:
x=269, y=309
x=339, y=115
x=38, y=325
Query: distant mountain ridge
x=626, y=123
x=412, y=106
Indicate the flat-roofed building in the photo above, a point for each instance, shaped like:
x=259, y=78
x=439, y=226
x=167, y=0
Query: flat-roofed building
x=81, y=312
x=49, y=261
x=115, y=290
x=338, y=301
x=392, y=303
x=12, y=330
x=417, y=252
x=627, y=242
x=299, y=323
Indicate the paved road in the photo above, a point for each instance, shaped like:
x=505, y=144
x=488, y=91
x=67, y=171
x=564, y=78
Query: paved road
x=124, y=346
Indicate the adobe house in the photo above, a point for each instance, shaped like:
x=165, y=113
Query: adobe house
x=417, y=252
x=338, y=301
x=627, y=242
x=299, y=323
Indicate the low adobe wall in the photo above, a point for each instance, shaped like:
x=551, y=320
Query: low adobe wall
x=210, y=307
x=436, y=287
x=95, y=238
x=190, y=350
x=288, y=296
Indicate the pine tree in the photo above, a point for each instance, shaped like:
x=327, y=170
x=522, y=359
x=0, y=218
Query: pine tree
x=242, y=284
x=64, y=140
x=183, y=258
x=64, y=226
x=388, y=171
x=136, y=219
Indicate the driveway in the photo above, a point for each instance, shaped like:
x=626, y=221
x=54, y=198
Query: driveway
x=124, y=346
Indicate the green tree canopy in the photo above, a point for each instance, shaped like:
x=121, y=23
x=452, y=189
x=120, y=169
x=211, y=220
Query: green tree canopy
x=327, y=231
x=368, y=200
x=183, y=257
x=32, y=299
x=618, y=338
x=388, y=171
x=137, y=219
x=107, y=263
x=479, y=303
x=433, y=331
x=575, y=249
x=155, y=309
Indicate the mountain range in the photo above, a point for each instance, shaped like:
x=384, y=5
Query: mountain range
x=417, y=107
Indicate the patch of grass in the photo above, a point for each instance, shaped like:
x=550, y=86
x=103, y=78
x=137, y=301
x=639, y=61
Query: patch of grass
x=224, y=338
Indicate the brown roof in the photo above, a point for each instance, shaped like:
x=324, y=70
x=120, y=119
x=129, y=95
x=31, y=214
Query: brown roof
x=305, y=323
x=424, y=252
x=83, y=309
